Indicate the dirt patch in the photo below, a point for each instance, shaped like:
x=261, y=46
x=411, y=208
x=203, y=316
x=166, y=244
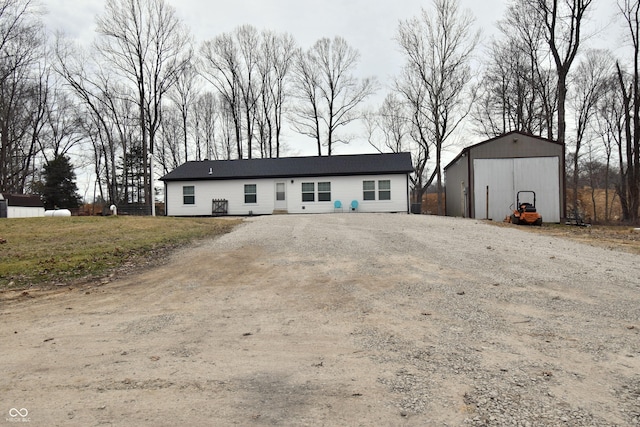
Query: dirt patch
x=345, y=319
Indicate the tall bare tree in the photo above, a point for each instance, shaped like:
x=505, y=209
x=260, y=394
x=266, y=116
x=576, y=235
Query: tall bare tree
x=329, y=92
x=206, y=123
x=107, y=118
x=630, y=89
x=609, y=126
x=146, y=43
x=221, y=67
x=275, y=66
x=563, y=20
x=23, y=91
x=438, y=46
x=184, y=95
x=518, y=91
x=589, y=86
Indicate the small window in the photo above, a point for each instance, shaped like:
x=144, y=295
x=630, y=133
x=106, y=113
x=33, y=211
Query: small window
x=368, y=190
x=384, y=189
x=324, y=191
x=280, y=192
x=250, y=193
x=308, y=192
x=189, y=195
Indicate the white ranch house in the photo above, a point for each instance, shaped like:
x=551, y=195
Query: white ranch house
x=360, y=183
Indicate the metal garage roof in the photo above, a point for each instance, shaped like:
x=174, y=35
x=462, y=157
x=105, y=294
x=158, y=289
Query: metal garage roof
x=291, y=167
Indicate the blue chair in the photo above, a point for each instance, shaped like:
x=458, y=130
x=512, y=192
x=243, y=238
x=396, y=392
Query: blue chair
x=354, y=205
x=337, y=205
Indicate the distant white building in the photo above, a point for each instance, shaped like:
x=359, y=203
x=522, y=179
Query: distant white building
x=20, y=206
x=363, y=183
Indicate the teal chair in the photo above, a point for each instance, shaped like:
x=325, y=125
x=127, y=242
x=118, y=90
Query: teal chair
x=354, y=205
x=337, y=205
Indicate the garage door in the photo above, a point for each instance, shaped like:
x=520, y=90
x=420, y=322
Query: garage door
x=501, y=179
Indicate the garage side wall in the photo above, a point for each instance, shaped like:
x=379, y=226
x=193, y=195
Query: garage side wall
x=24, y=212
x=457, y=188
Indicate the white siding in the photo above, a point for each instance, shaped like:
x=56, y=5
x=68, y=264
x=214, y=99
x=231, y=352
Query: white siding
x=505, y=177
x=24, y=212
x=344, y=189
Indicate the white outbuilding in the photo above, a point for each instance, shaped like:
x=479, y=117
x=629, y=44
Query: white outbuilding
x=346, y=183
x=484, y=179
x=20, y=206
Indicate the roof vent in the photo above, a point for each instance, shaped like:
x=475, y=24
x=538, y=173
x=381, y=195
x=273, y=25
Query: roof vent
x=210, y=171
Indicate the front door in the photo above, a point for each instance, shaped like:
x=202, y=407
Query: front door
x=281, y=196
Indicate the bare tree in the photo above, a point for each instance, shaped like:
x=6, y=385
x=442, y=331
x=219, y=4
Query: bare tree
x=563, y=21
x=22, y=92
x=329, y=91
x=589, y=84
x=629, y=152
x=183, y=95
x=393, y=129
x=206, y=122
x=275, y=66
x=221, y=67
x=306, y=117
x=388, y=129
x=609, y=127
x=169, y=152
x=518, y=87
x=438, y=46
x=248, y=40
x=147, y=44
x=107, y=119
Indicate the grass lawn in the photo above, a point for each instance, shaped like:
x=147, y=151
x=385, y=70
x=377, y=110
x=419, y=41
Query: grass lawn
x=54, y=250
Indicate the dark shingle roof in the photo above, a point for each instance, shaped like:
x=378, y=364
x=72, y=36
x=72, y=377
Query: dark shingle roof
x=23, y=200
x=286, y=167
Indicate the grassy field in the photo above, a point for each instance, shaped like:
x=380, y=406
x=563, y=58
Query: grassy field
x=59, y=250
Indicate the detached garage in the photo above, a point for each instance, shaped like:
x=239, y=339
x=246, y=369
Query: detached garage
x=483, y=180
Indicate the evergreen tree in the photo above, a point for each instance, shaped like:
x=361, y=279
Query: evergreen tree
x=60, y=189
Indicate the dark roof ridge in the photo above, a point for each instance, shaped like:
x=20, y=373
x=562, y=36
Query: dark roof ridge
x=283, y=167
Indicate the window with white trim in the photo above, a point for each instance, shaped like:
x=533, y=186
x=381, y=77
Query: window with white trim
x=308, y=192
x=189, y=194
x=324, y=191
x=384, y=189
x=368, y=190
x=250, y=193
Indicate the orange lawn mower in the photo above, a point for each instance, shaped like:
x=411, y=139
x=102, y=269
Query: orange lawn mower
x=526, y=213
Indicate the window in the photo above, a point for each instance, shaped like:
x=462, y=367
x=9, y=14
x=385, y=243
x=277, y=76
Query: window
x=384, y=189
x=368, y=190
x=189, y=195
x=250, y=193
x=324, y=191
x=308, y=192
x=280, y=194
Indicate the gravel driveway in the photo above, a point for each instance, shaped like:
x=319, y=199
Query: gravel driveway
x=343, y=319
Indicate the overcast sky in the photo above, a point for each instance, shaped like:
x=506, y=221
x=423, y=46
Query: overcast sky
x=369, y=26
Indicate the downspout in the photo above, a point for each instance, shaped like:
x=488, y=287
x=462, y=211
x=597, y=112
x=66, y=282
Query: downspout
x=563, y=174
x=408, y=187
x=166, y=205
x=470, y=185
